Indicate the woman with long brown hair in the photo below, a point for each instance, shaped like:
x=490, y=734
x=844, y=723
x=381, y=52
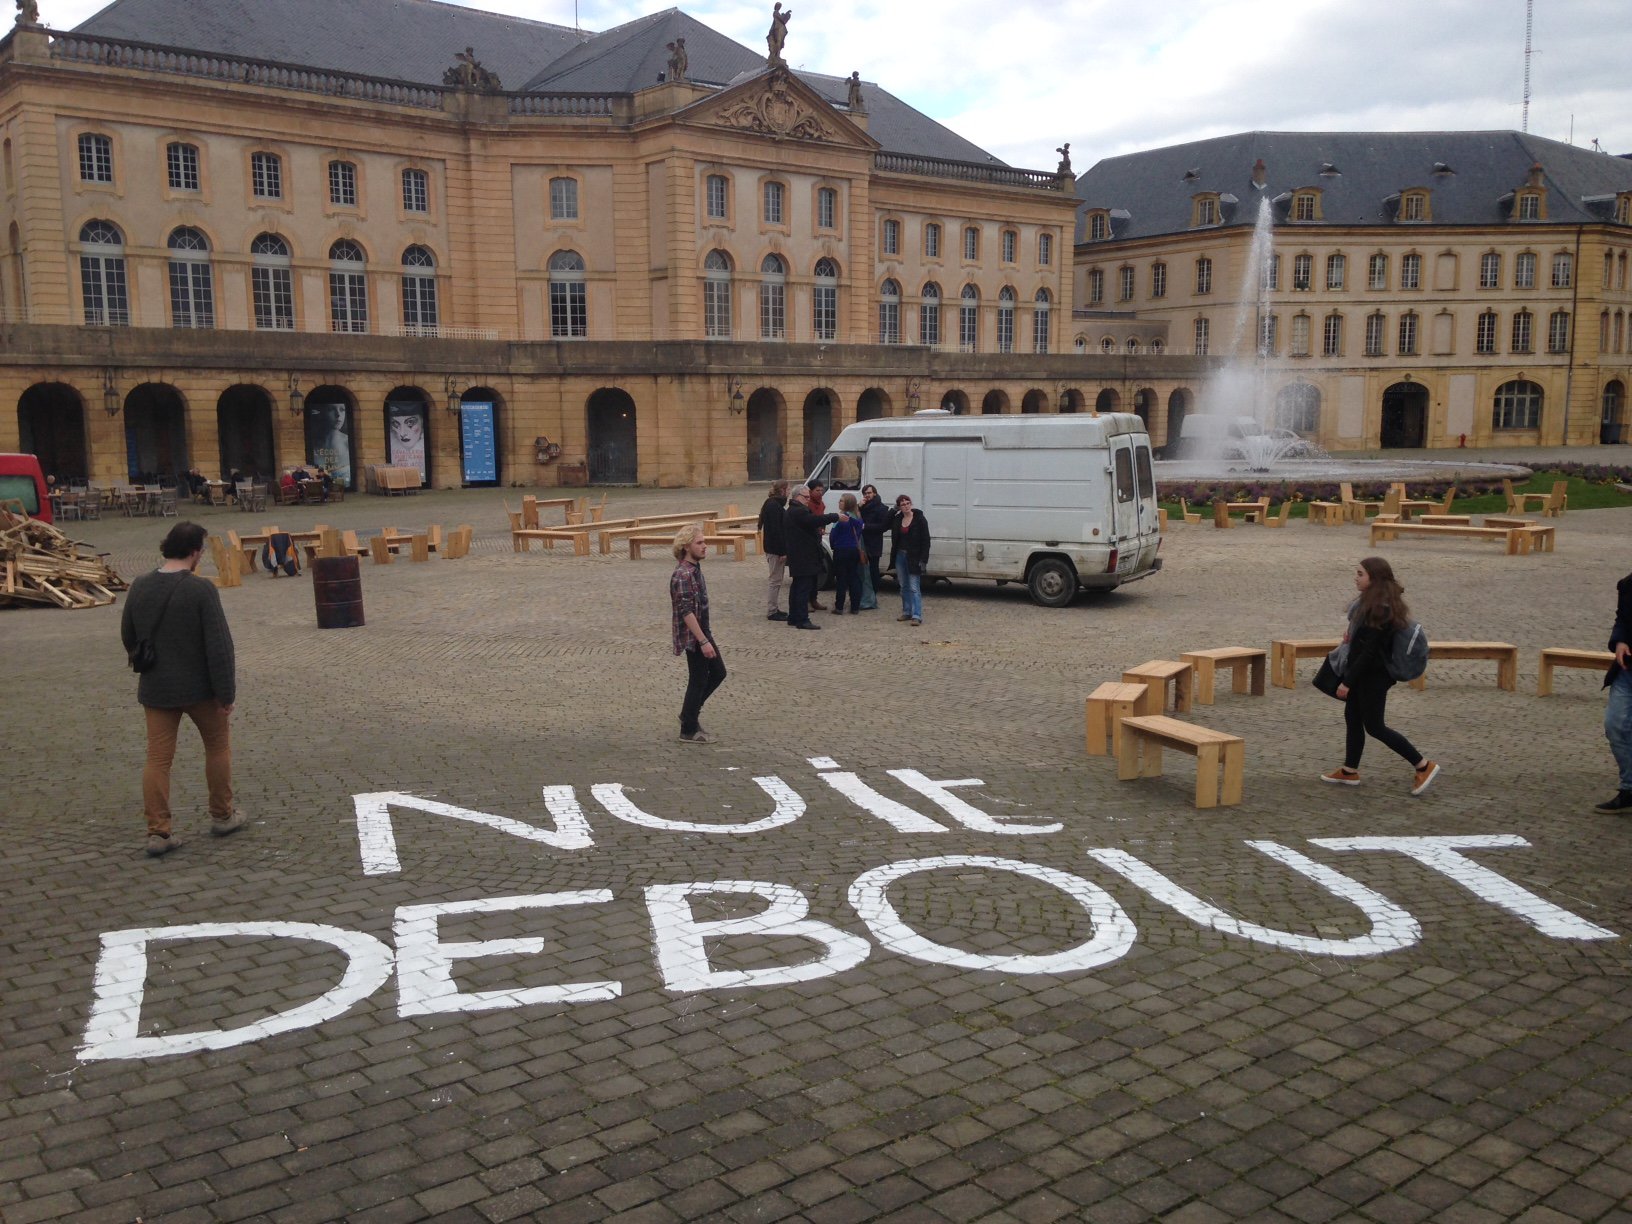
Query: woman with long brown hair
x=1377, y=613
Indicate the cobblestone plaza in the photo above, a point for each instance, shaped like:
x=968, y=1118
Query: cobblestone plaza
x=893, y=948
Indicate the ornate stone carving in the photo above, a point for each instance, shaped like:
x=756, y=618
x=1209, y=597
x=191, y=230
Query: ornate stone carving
x=468, y=73
x=778, y=112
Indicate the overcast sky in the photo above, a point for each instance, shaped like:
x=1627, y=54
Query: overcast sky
x=1018, y=77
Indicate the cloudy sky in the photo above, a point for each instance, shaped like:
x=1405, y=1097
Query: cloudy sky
x=1021, y=76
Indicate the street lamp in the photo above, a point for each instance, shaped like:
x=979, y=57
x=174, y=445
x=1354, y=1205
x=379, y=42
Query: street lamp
x=297, y=400
x=110, y=394
x=734, y=401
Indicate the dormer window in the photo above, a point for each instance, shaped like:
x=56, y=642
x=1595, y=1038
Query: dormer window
x=1414, y=206
x=1527, y=207
x=1328, y=170
x=1099, y=226
x=1206, y=210
x=1623, y=209
x=1305, y=206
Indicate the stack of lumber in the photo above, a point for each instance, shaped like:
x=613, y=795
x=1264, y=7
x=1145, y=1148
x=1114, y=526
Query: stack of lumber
x=41, y=565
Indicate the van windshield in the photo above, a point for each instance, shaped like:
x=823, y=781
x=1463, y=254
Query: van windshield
x=844, y=472
x=23, y=489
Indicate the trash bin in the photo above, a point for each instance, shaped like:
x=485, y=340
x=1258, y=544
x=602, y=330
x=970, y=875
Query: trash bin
x=337, y=585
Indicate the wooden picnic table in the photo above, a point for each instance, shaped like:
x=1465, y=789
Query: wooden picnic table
x=530, y=507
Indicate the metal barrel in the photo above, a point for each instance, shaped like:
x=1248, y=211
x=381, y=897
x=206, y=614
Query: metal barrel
x=337, y=585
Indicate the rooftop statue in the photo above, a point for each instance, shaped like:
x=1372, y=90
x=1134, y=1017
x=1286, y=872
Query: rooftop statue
x=468, y=73
x=28, y=12
x=1065, y=158
x=778, y=35
x=853, y=100
x=677, y=59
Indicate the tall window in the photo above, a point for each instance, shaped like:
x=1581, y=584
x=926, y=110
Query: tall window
x=102, y=275
x=1517, y=406
x=969, y=319
x=1272, y=274
x=1411, y=272
x=1158, y=280
x=1045, y=250
x=775, y=195
x=181, y=165
x=1377, y=272
x=343, y=184
x=348, y=287
x=1005, y=320
x=824, y=301
x=1331, y=342
x=773, y=299
x=929, y=316
x=892, y=237
x=1207, y=212
x=569, y=302
x=1268, y=336
x=1523, y=326
x=563, y=199
x=1490, y=270
x=889, y=313
x=1098, y=228
x=270, y=286
x=1041, y=315
x=717, y=190
x=1204, y=275
x=1300, y=335
x=1011, y=246
x=419, y=313
x=932, y=241
x=1413, y=207
x=1563, y=270
x=1124, y=284
x=1303, y=271
x=1303, y=206
x=95, y=158
x=971, y=242
x=717, y=295
x=1558, y=331
x=1096, y=287
x=416, y=191
x=1376, y=324
x=192, y=293
x=1484, y=333
x=1337, y=267
x=827, y=208
x=1408, y=334
x=266, y=176
x=1204, y=333
x=1524, y=270
x=1530, y=207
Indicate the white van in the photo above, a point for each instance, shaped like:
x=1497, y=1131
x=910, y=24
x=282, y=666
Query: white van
x=1060, y=503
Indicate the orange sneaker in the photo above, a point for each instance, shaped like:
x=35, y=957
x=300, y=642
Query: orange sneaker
x=1342, y=776
x=1425, y=777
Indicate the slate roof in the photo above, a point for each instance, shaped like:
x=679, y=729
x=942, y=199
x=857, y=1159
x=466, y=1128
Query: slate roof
x=416, y=40
x=1471, y=174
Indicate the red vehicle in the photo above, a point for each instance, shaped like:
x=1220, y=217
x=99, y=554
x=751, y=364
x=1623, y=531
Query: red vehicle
x=21, y=480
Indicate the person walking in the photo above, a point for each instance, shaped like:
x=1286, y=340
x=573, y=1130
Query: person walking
x=772, y=515
x=192, y=673
x=909, y=556
x=688, y=599
x=802, y=536
x=874, y=515
x=845, y=540
x=1375, y=615
x=1618, y=712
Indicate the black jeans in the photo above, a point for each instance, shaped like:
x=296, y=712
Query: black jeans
x=847, y=578
x=800, y=596
x=703, y=676
x=1363, y=716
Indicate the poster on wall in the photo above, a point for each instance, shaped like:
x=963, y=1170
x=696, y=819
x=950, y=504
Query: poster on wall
x=477, y=443
x=328, y=440
x=405, y=435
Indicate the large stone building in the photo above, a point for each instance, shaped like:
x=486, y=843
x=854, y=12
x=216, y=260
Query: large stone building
x=295, y=230
x=1424, y=289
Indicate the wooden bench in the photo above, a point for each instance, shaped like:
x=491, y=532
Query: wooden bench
x=1158, y=674
x=521, y=538
x=652, y=526
x=1145, y=735
x=736, y=543
x=1537, y=537
x=1453, y=520
x=1508, y=536
x=1328, y=514
x=1250, y=511
x=1107, y=706
x=1564, y=656
x=1505, y=655
x=1284, y=654
x=1241, y=660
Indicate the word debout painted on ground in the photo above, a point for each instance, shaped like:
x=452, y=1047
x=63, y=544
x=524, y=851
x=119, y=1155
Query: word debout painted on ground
x=423, y=963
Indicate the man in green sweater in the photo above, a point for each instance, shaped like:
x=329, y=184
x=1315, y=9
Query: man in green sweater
x=192, y=673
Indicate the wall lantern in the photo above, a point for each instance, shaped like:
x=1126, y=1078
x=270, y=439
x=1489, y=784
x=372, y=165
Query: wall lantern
x=455, y=396
x=297, y=401
x=913, y=398
x=110, y=394
x=734, y=401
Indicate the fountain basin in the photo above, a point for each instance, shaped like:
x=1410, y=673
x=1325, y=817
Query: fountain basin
x=1294, y=471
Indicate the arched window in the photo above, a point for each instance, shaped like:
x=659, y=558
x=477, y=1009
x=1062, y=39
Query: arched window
x=889, y=313
x=1108, y=344
x=1005, y=320
x=1297, y=407
x=569, y=301
x=348, y=287
x=419, y=313
x=824, y=301
x=969, y=319
x=1517, y=406
x=192, y=292
x=1041, y=313
x=270, y=284
x=717, y=294
x=1132, y=345
x=102, y=275
x=929, y=316
x=773, y=298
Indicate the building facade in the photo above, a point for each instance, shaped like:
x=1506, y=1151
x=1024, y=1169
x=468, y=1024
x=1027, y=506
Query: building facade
x=1387, y=289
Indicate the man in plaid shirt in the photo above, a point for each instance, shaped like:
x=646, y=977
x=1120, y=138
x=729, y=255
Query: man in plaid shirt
x=688, y=595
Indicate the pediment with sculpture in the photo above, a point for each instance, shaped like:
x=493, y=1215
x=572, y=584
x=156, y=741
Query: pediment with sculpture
x=778, y=105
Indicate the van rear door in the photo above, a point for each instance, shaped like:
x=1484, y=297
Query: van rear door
x=1125, y=504
x=945, y=504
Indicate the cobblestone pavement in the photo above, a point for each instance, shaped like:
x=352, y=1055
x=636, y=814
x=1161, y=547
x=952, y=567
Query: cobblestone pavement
x=787, y=975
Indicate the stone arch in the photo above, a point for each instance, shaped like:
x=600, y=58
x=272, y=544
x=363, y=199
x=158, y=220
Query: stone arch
x=612, y=428
x=408, y=424
x=1034, y=401
x=1108, y=400
x=873, y=403
x=1144, y=405
x=955, y=401
x=51, y=425
x=995, y=402
x=156, y=435
x=1073, y=401
x=245, y=437
x=1180, y=404
x=766, y=434
x=820, y=410
x=331, y=432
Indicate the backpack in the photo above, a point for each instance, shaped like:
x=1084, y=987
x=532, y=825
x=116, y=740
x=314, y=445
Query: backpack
x=279, y=553
x=1407, y=652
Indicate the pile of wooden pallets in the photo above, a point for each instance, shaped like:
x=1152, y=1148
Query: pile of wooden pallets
x=41, y=565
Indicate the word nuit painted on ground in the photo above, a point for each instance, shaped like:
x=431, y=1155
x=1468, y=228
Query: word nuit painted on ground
x=424, y=963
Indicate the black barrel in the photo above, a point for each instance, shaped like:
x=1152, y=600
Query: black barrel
x=337, y=584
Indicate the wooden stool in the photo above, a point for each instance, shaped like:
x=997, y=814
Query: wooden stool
x=1563, y=656
x=1239, y=659
x=1158, y=673
x=1108, y=705
x=1144, y=737
x=1284, y=654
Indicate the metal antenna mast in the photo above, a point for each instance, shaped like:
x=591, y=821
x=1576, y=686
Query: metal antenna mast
x=1529, y=15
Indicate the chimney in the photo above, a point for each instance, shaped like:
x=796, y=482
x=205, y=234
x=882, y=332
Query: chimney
x=1259, y=176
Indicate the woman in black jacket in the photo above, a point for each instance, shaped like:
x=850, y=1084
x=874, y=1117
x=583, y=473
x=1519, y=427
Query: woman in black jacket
x=874, y=516
x=1374, y=617
x=909, y=556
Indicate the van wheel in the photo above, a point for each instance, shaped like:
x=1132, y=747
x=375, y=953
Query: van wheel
x=1052, y=583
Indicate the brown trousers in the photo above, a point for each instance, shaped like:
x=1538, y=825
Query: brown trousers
x=213, y=729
